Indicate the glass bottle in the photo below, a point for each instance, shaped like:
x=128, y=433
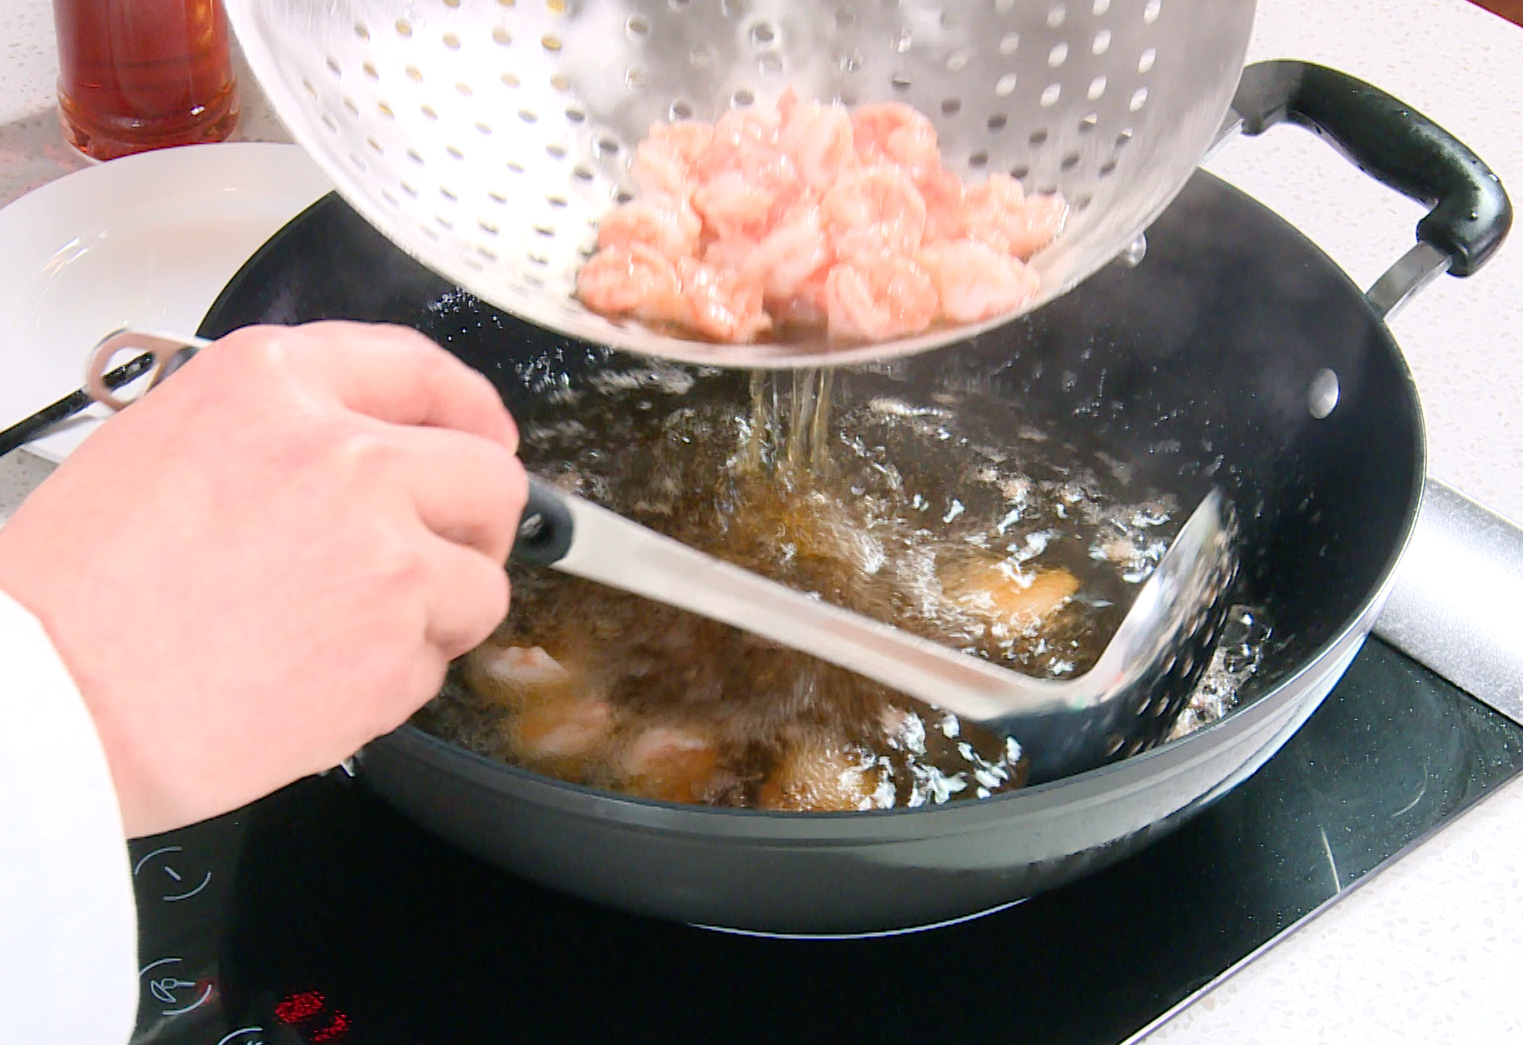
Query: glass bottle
x=143, y=74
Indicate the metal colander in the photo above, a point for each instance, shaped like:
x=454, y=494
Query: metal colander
x=488, y=137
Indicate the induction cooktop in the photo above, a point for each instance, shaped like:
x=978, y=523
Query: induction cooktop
x=320, y=915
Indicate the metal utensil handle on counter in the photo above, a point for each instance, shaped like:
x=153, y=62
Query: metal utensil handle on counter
x=160, y=356
x=166, y=353
x=76, y=402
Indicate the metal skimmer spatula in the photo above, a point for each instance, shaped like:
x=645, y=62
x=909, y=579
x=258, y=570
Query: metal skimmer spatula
x=1125, y=703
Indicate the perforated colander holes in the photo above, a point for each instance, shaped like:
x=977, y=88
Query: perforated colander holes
x=765, y=41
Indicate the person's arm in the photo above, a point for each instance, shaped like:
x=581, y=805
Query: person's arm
x=271, y=559
x=264, y=565
x=68, y=928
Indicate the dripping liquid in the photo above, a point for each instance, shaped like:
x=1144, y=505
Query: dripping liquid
x=934, y=513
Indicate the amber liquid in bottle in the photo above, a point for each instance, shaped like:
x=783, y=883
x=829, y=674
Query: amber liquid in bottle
x=143, y=74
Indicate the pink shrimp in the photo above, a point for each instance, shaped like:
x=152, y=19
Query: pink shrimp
x=685, y=139
x=891, y=132
x=634, y=279
x=664, y=161
x=742, y=141
x=805, y=307
x=974, y=281
x=746, y=143
x=998, y=213
x=818, y=138
x=874, y=297
x=733, y=206
x=722, y=305
x=1043, y=220
x=808, y=214
x=665, y=223
x=944, y=205
x=790, y=254
x=877, y=209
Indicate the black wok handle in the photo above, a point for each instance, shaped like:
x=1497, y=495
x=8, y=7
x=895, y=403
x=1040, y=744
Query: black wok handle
x=545, y=531
x=1389, y=140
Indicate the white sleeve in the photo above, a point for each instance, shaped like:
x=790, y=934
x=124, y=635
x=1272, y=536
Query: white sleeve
x=68, y=924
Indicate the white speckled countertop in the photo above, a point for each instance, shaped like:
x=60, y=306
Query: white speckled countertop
x=1430, y=949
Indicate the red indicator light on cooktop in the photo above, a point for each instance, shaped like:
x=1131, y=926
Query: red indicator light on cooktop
x=336, y=1029
x=308, y=1012
x=298, y=1008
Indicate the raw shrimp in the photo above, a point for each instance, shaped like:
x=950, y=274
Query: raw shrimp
x=999, y=213
x=796, y=249
x=974, y=281
x=733, y=206
x=874, y=210
x=664, y=161
x=666, y=224
x=722, y=305
x=818, y=138
x=809, y=215
x=874, y=297
x=945, y=210
x=806, y=306
x=632, y=280
x=746, y=143
x=894, y=133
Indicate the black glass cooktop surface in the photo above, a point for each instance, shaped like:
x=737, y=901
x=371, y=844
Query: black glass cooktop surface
x=318, y=915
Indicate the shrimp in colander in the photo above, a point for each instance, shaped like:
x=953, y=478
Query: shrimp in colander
x=811, y=215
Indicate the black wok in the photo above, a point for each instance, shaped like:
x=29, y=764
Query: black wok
x=1194, y=366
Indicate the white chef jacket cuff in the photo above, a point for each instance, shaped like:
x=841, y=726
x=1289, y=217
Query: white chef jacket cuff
x=68, y=923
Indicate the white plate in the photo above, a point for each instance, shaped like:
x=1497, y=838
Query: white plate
x=146, y=241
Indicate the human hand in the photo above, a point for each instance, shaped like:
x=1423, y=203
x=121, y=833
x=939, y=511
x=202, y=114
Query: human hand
x=271, y=559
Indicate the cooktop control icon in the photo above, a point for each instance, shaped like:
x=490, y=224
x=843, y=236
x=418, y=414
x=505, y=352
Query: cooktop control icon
x=244, y=1036
x=170, y=990
x=167, y=866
